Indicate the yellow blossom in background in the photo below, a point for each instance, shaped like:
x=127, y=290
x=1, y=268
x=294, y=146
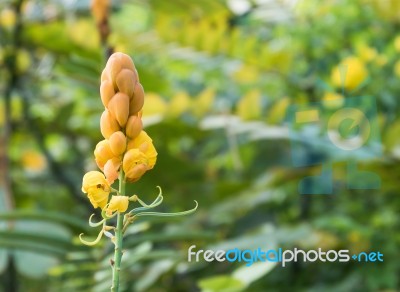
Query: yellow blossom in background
x=367, y=54
x=326, y=240
x=246, y=74
x=2, y=115
x=154, y=105
x=397, y=43
x=358, y=242
x=117, y=204
x=7, y=18
x=249, y=106
x=351, y=72
x=33, y=161
x=95, y=185
x=381, y=60
x=23, y=61
x=397, y=68
x=203, y=102
x=332, y=100
x=277, y=112
x=179, y=104
x=83, y=33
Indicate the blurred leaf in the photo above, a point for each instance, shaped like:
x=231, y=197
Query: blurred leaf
x=248, y=275
x=221, y=284
x=249, y=106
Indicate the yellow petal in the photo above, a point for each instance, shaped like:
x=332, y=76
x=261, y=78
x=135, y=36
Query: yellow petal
x=96, y=186
x=145, y=144
x=117, y=203
x=354, y=73
x=135, y=164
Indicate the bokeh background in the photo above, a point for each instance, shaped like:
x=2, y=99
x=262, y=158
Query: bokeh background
x=218, y=76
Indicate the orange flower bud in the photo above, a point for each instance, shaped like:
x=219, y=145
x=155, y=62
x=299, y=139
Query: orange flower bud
x=119, y=108
x=125, y=60
x=100, y=9
x=117, y=143
x=126, y=80
x=104, y=75
x=111, y=169
x=134, y=164
x=108, y=124
x=115, y=64
x=113, y=67
x=134, y=126
x=137, y=101
x=102, y=153
x=106, y=92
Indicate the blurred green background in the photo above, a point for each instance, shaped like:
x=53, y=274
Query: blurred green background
x=218, y=76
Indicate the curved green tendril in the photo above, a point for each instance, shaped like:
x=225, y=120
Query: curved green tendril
x=154, y=204
x=155, y=201
x=91, y=243
x=159, y=214
x=92, y=224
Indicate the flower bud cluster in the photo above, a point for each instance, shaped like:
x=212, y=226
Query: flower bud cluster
x=125, y=146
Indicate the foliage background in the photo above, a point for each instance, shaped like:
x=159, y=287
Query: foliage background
x=218, y=78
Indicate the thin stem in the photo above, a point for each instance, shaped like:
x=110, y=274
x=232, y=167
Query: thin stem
x=118, y=239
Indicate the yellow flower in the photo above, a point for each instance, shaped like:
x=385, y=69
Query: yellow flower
x=354, y=73
x=135, y=164
x=381, y=60
x=117, y=203
x=397, y=68
x=367, y=54
x=145, y=144
x=97, y=188
x=332, y=100
x=397, y=43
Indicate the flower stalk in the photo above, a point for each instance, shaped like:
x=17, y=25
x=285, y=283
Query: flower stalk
x=126, y=153
x=116, y=268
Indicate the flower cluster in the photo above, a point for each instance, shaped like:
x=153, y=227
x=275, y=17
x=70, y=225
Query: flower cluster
x=126, y=146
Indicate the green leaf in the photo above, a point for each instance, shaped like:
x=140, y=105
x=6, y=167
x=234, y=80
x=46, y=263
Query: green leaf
x=54, y=217
x=248, y=275
x=221, y=284
x=33, y=265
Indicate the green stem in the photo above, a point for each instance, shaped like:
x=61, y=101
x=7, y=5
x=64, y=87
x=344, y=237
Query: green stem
x=118, y=239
